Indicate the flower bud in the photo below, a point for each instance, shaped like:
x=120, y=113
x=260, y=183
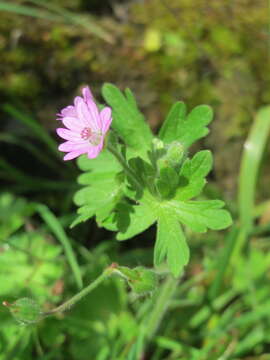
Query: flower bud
x=26, y=311
x=158, y=144
x=140, y=279
x=175, y=153
x=172, y=157
x=147, y=281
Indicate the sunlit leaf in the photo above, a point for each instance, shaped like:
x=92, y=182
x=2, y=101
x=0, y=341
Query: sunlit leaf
x=170, y=243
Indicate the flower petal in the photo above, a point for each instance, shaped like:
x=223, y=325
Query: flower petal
x=72, y=146
x=106, y=119
x=95, y=150
x=67, y=111
x=93, y=110
x=73, y=154
x=68, y=134
x=74, y=124
x=83, y=112
x=88, y=113
x=87, y=94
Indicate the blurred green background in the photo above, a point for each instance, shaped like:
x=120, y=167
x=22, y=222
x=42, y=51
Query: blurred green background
x=198, y=51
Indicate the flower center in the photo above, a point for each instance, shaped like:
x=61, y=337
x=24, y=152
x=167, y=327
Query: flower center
x=88, y=134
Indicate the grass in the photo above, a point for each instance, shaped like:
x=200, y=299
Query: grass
x=49, y=10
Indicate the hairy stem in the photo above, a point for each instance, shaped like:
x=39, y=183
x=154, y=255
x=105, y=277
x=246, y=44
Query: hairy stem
x=71, y=302
x=163, y=298
x=119, y=157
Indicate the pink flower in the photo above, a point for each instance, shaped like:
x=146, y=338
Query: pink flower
x=86, y=126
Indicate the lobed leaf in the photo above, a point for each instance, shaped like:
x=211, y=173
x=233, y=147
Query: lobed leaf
x=194, y=127
x=105, y=162
x=104, y=188
x=170, y=243
x=167, y=181
x=140, y=218
x=192, y=175
x=201, y=215
x=186, y=129
x=128, y=121
x=99, y=198
x=173, y=122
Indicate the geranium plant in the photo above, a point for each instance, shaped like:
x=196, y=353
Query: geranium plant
x=132, y=179
x=140, y=179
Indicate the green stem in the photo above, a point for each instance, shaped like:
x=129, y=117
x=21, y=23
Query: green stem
x=37, y=342
x=71, y=302
x=125, y=166
x=162, y=302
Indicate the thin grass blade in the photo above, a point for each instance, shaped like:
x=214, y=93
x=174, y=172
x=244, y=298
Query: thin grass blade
x=28, y=11
x=34, y=126
x=60, y=234
x=251, y=159
x=250, y=163
x=223, y=262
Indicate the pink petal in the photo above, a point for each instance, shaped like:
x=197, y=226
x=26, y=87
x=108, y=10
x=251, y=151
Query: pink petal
x=83, y=112
x=73, y=154
x=76, y=99
x=94, y=151
x=72, y=146
x=88, y=113
x=87, y=94
x=94, y=113
x=68, y=111
x=68, y=135
x=106, y=119
x=74, y=124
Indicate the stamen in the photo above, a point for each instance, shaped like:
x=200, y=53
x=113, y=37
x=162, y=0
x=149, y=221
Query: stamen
x=86, y=133
x=93, y=137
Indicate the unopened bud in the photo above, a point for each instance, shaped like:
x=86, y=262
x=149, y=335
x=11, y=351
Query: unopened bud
x=158, y=144
x=146, y=283
x=175, y=153
x=26, y=311
x=140, y=279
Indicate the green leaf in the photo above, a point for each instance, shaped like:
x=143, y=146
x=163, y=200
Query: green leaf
x=186, y=129
x=142, y=169
x=99, y=199
x=104, y=181
x=27, y=251
x=105, y=162
x=127, y=119
x=171, y=243
x=145, y=174
x=192, y=175
x=13, y=212
x=139, y=217
x=201, y=215
x=130, y=98
x=194, y=127
x=167, y=182
x=173, y=122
